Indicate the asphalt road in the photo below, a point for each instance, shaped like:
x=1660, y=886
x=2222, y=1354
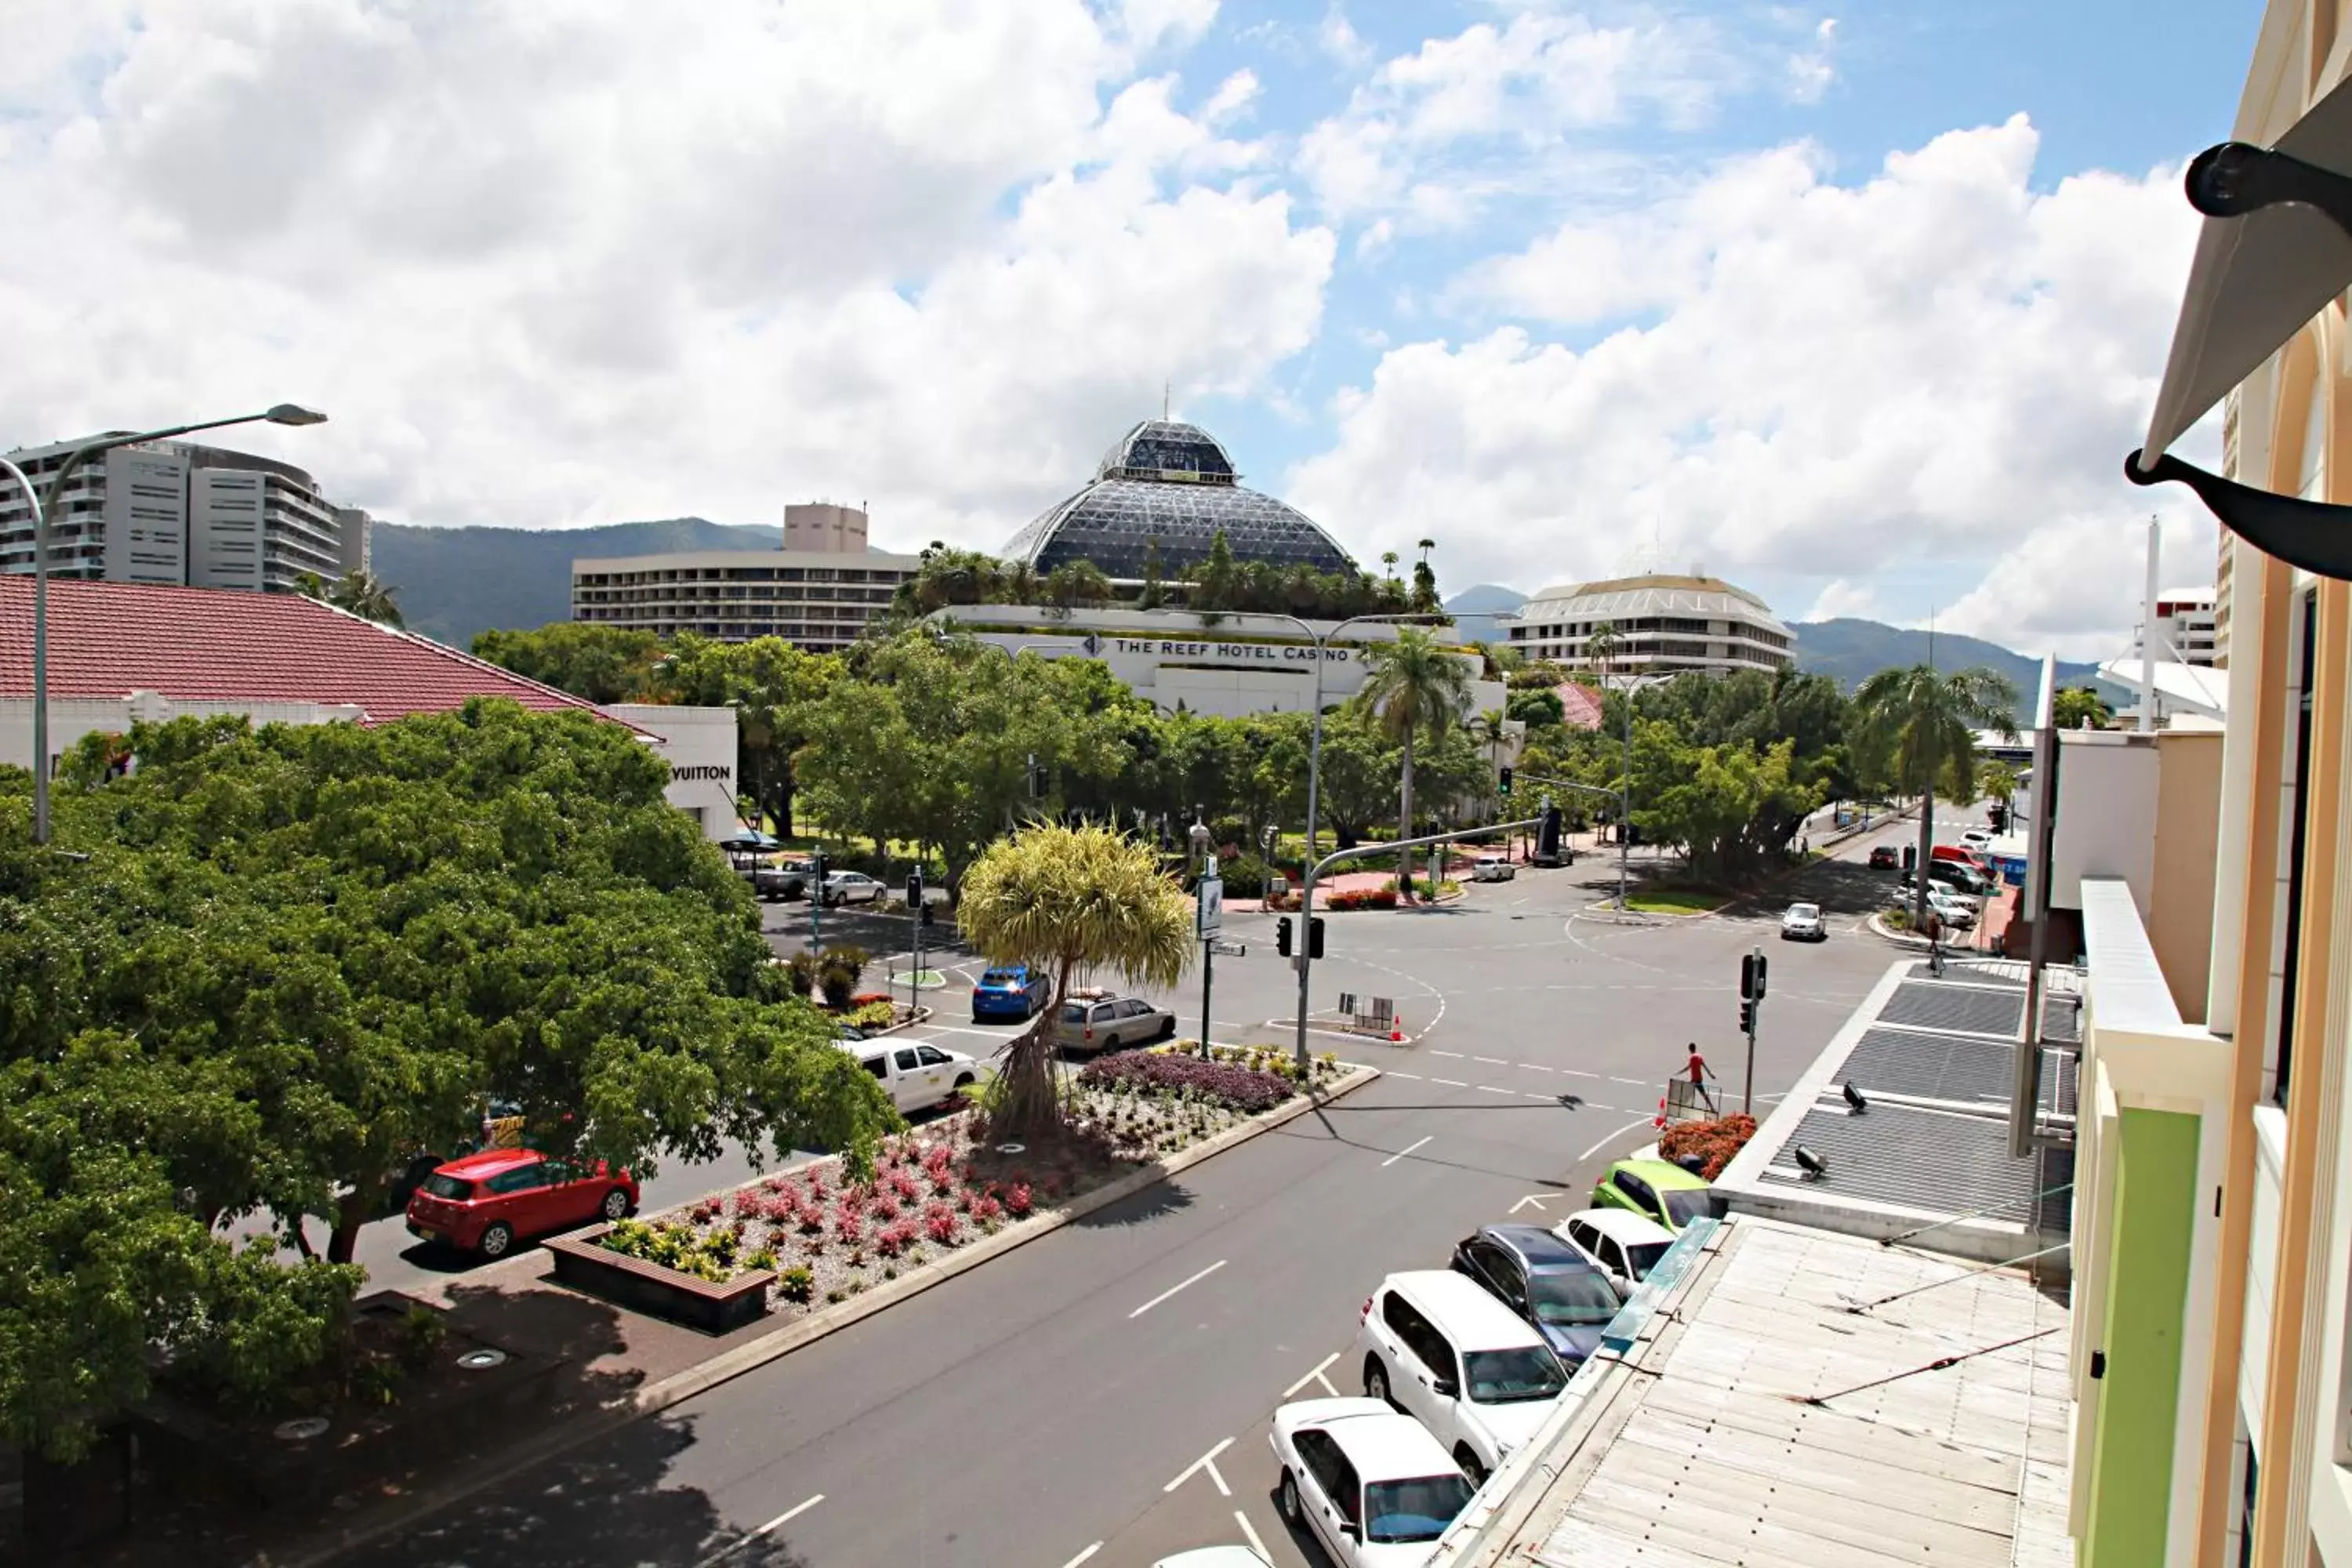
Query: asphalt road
x=1055, y=1406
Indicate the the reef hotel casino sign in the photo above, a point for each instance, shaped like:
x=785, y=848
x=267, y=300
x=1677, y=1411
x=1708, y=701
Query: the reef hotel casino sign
x=1228, y=652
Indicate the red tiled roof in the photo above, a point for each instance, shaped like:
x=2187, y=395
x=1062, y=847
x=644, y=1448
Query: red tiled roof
x=1579, y=708
x=218, y=645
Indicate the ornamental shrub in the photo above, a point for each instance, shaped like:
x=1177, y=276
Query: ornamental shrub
x=939, y=1223
x=1016, y=1199
x=1714, y=1142
x=872, y=1015
x=797, y=1283
x=1170, y=1075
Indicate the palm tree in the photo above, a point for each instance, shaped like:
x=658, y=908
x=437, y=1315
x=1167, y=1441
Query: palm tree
x=1072, y=900
x=1416, y=687
x=362, y=594
x=1925, y=723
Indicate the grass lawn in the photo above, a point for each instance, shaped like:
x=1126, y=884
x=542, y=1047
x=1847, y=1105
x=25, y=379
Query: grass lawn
x=1674, y=900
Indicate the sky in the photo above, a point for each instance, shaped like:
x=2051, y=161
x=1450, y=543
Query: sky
x=1858, y=305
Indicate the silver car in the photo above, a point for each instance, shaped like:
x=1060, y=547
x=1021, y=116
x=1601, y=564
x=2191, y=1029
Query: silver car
x=1101, y=1021
x=1803, y=923
x=852, y=888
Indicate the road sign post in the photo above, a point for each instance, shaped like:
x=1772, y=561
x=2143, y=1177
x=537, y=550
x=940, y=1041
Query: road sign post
x=1211, y=913
x=915, y=914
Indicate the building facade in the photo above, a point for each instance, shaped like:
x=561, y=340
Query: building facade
x=1664, y=626
x=2213, y=1202
x=1224, y=665
x=179, y=514
x=2188, y=629
x=819, y=592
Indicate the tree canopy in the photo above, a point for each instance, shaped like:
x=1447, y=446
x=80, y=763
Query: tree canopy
x=267, y=967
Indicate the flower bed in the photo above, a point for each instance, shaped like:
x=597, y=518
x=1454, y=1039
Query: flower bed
x=826, y=1238
x=1714, y=1141
x=1363, y=898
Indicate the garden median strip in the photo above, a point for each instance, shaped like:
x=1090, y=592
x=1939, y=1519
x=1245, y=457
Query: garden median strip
x=661, y=1395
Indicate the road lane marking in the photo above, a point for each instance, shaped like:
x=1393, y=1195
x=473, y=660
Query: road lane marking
x=1491, y=1061
x=1455, y=1055
x=1393, y=1073
x=1082, y=1557
x=1637, y=1122
x=1531, y=1067
x=1490, y=1088
x=1547, y=1098
x=781, y=1520
x=1450, y=1082
x=1247, y=1528
x=1579, y=1072
x=1403, y=1151
x=1313, y=1376
x=1208, y=1462
x=1636, y=1082
x=1196, y=1279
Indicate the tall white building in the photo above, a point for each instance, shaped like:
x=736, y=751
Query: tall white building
x=179, y=514
x=2187, y=622
x=819, y=592
x=1664, y=626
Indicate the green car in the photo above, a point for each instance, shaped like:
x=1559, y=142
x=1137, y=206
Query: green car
x=1663, y=1192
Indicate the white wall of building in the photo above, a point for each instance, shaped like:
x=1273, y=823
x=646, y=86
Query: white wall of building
x=701, y=745
x=72, y=718
x=826, y=528
x=146, y=511
x=2106, y=815
x=224, y=524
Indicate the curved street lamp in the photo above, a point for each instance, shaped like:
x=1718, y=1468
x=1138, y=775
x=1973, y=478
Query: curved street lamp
x=279, y=414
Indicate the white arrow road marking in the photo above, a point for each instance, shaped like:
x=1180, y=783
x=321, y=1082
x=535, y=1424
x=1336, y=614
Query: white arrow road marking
x=1208, y=1462
x=1403, y=1151
x=1524, y=1202
x=1315, y=1377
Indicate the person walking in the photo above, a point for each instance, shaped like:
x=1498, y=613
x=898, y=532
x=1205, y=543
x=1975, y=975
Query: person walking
x=1697, y=1068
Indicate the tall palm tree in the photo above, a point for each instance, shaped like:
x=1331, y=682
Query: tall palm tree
x=1072, y=900
x=1925, y=722
x=362, y=594
x=1416, y=687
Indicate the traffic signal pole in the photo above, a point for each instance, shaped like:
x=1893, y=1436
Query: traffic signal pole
x=1303, y=957
x=1752, y=1003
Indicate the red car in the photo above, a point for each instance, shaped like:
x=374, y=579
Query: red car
x=486, y=1202
x=1883, y=858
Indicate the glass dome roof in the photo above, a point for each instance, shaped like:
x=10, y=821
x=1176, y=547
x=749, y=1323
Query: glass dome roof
x=1173, y=483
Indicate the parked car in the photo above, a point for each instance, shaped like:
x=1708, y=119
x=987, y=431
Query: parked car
x=1562, y=1293
x=1964, y=854
x=852, y=888
x=1011, y=991
x=501, y=1128
x=1450, y=1354
x=1976, y=838
x=1656, y=1189
x=1961, y=878
x=1625, y=1245
x=1372, y=1486
x=486, y=1202
x=1215, y=1557
x=1493, y=868
x=1803, y=923
x=1883, y=858
x=786, y=879
x=918, y=1075
x=1102, y=1021
x=1956, y=908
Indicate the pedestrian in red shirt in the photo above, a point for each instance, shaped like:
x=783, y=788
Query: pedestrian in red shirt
x=1697, y=1068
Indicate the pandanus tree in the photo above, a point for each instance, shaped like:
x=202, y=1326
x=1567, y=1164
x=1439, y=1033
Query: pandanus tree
x=1077, y=902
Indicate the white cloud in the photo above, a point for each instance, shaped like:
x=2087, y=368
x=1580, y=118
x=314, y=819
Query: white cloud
x=1811, y=71
x=1341, y=40
x=1233, y=96
x=1839, y=597
x=1165, y=24
x=1940, y=365
x=545, y=264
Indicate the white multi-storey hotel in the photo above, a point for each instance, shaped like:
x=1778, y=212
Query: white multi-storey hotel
x=179, y=514
x=1664, y=626
x=818, y=592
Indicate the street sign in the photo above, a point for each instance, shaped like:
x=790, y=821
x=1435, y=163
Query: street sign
x=1229, y=949
x=1212, y=894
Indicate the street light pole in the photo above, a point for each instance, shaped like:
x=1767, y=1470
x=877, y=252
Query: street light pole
x=44, y=508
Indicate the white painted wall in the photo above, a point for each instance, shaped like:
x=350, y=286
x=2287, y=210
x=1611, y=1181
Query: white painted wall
x=701, y=745
x=2105, y=815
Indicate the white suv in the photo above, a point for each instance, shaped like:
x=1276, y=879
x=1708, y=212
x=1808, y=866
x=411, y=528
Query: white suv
x=1626, y=1246
x=1436, y=1344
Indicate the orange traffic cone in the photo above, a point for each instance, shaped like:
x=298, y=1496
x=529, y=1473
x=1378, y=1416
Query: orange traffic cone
x=1659, y=1120
x=1396, y=1029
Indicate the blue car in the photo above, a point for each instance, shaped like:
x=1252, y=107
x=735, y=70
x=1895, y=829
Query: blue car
x=1016, y=991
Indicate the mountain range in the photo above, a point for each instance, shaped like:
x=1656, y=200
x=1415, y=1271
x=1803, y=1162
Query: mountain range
x=453, y=582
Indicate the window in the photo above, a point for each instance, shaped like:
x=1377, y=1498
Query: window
x=521, y=1179
x=1413, y=1510
x=1512, y=1376
x=2283, y=1056
x=931, y=1056
x=1633, y=1187
x=1133, y=1009
x=878, y=1066
x=908, y=1060
x=1419, y=1335
x=450, y=1187
x=1502, y=1272
x=1577, y=1298
x=558, y=1173
x=1334, y=1476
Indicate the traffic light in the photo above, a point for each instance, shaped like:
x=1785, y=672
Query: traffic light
x=1281, y=936
x=816, y=874
x=1910, y=857
x=1315, y=936
x=1036, y=778
x=1506, y=784
x=1751, y=975
x=914, y=889
x=1747, y=1017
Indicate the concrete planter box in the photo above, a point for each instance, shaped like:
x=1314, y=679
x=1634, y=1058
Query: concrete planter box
x=656, y=1291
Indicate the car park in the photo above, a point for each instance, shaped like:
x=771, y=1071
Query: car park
x=1559, y=1291
x=1625, y=1245
x=1469, y=1369
x=918, y=1074
x=486, y=1202
x=1011, y=991
x=786, y=879
x=1658, y=1190
x=1803, y=923
x=1374, y=1488
x=852, y=888
x=1097, y=1020
x=1493, y=868
x=1883, y=858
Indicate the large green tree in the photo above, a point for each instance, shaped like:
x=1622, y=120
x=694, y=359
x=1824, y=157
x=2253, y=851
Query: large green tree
x=772, y=686
x=1417, y=687
x=1924, y=722
x=594, y=663
x=273, y=965
x=2079, y=707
